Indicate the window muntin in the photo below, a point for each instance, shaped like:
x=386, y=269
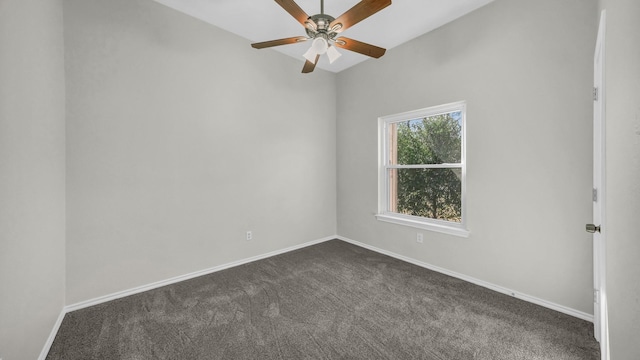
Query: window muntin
x=422, y=172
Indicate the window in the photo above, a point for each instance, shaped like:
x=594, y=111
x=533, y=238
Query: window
x=422, y=169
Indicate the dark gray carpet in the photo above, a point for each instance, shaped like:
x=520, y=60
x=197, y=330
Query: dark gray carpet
x=328, y=301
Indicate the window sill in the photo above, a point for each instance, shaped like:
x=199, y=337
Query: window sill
x=422, y=224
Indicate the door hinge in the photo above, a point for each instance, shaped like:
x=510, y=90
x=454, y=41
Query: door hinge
x=595, y=94
x=596, y=296
x=594, y=195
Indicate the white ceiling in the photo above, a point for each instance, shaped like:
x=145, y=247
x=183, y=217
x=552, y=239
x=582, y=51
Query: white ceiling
x=262, y=20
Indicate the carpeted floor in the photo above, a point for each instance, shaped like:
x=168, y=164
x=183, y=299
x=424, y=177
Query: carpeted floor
x=329, y=301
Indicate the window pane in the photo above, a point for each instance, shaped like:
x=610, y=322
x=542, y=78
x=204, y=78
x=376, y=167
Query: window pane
x=431, y=193
x=432, y=140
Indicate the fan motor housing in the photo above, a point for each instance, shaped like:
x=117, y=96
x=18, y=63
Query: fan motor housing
x=322, y=22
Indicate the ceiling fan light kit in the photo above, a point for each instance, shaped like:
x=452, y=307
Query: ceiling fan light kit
x=324, y=29
x=318, y=47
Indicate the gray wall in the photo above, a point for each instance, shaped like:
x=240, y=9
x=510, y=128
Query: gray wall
x=622, y=99
x=525, y=69
x=180, y=138
x=32, y=176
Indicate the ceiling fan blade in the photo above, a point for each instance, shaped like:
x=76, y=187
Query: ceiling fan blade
x=296, y=11
x=359, y=12
x=309, y=66
x=287, y=41
x=359, y=47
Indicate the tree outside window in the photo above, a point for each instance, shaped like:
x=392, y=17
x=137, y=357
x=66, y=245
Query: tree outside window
x=423, y=164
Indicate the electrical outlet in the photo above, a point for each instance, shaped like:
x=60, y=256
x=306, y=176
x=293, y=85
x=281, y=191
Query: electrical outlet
x=249, y=237
x=419, y=238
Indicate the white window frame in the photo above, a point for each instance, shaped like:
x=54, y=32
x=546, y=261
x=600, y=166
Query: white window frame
x=442, y=226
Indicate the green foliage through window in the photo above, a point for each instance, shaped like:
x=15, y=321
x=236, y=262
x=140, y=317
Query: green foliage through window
x=435, y=190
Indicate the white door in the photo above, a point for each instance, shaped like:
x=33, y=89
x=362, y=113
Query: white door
x=598, y=227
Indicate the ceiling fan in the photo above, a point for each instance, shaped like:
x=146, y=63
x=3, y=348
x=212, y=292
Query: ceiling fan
x=323, y=30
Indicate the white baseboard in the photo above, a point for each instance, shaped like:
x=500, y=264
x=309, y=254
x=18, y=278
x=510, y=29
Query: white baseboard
x=52, y=336
x=173, y=280
x=532, y=299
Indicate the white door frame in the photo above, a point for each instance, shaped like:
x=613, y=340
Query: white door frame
x=600, y=315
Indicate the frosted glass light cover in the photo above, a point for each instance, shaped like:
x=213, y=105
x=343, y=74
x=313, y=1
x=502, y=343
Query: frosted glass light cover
x=310, y=55
x=333, y=54
x=320, y=45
